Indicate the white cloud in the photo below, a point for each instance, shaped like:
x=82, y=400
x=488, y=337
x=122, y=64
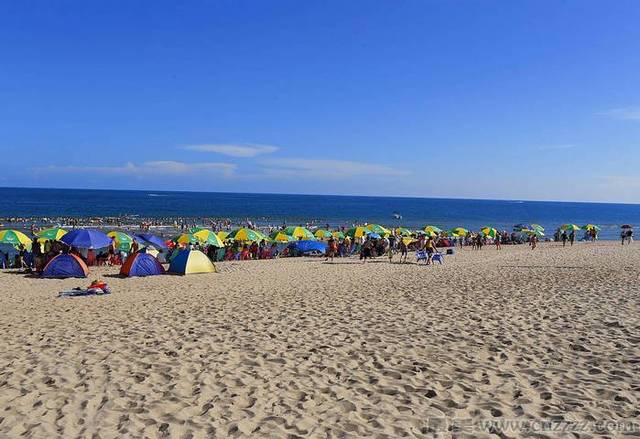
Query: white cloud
x=153, y=168
x=243, y=150
x=313, y=168
x=628, y=113
x=559, y=147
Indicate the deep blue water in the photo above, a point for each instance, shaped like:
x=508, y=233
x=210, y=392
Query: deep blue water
x=335, y=210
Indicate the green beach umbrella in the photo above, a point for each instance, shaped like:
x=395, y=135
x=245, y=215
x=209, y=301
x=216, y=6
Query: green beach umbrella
x=194, y=230
x=54, y=233
x=489, y=231
x=207, y=236
x=357, y=232
x=280, y=236
x=377, y=228
x=569, y=227
x=433, y=229
x=591, y=227
x=300, y=233
x=403, y=231
x=247, y=235
x=458, y=231
x=123, y=241
x=14, y=237
x=338, y=234
x=322, y=234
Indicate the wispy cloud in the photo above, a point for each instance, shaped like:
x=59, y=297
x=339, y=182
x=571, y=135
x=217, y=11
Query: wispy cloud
x=560, y=146
x=627, y=113
x=234, y=150
x=339, y=169
x=153, y=168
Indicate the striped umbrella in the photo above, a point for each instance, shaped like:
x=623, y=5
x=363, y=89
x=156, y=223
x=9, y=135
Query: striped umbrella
x=322, y=234
x=403, y=231
x=377, y=228
x=432, y=229
x=54, y=233
x=207, y=236
x=591, y=227
x=489, y=231
x=338, y=234
x=569, y=227
x=123, y=241
x=186, y=238
x=14, y=237
x=357, y=232
x=245, y=234
x=299, y=233
x=222, y=235
x=458, y=231
x=280, y=236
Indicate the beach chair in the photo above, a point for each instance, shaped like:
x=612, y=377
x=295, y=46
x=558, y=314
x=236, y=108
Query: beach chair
x=422, y=255
x=439, y=257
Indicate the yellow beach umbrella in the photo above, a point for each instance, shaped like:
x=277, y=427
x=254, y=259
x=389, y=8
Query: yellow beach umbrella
x=280, y=236
x=246, y=235
x=377, y=228
x=14, y=237
x=322, y=234
x=357, y=232
x=489, y=231
x=222, y=235
x=206, y=236
x=54, y=233
x=299, y=233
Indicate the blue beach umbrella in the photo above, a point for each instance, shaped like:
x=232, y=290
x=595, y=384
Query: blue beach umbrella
x=86, y=238
x=154, y=240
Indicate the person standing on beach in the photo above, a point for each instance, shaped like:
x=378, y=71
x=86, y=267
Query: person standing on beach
x=563, y=237
x=572, y=237
x=404, y=251
x=331, y=249
x=498, y=241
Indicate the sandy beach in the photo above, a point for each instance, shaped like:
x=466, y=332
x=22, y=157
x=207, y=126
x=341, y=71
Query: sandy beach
x=302, y=348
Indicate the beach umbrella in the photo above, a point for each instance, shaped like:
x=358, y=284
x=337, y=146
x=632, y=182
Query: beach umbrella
x=489, y=231
x=571, y=227
x=222, y=235
x=246, y=234
x=537, y=227
x=86, y=238
x=377, y=228
x=338, y=234
x=458, y=231
x=15, y=238
x=207, y=236
x=357, y=232
x=403, y=231
x=591, y=227
x=186, y=238
x=432, y=229
x=322, y=234
x=299, y=233
x=194, y=230
x=374, y=235
x=626, y=226
x=154, y=240
x=54, y=233
x=123, y=241
x=427, y=233
x=536, y=232
x=280, y=236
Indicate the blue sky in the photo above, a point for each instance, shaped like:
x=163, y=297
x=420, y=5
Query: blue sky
x=477, y=99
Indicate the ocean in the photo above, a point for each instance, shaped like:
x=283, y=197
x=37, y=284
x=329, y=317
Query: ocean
x=276, y=209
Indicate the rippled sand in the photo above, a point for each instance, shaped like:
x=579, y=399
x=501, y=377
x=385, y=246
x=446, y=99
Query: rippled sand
x=303, y=348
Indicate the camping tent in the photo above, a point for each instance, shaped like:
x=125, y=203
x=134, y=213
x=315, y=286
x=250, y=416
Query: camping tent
x=65, y=265
x=191, y=262
x=141, y=264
